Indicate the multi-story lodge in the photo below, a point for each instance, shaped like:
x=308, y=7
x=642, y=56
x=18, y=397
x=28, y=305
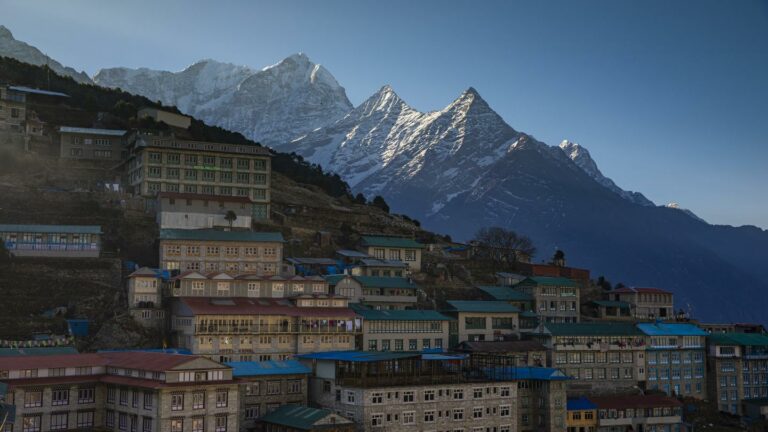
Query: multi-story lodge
x=13, y=109
x=297, y=418
x=221, y=251
x=136, y=391
x=674, y=358
x=394, y=249
x=266, y=386
x=597, y=356
x=145, y=300
x=177, y=210
x=482, y=320
x=220, y=284
x=379, y=292
x=737, y=370
x=92, y=144
x=407, y=391
x=64, y=241
x=247, y=329
x=160, y=163
x=525, y=352
x=556, y=298
x=379, y=267
x=646, y=303
x=517, y=298
x=403, y=330
x=639, y=413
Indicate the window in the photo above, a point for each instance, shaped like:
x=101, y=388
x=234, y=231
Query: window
x=252, y=412
x=408, y=396
x=198, y=400
x=429, y=395
x=60, y=397
x=294, y=386
x=458, y=394
x=377, y=398
x=122, y=421
x=409, y=417
x=376, y=420
x=221, y=424
x=350, y=397
x=198, y=424
x=458, y=414
x=109, y=419
x=33, y=399
x=379, y=253
x=177, y=402
x=177, y=425
x=273, y=387
x=429, y=416
x=31, y=424
x=85, y=419
x=477, y=413
x=123, y=397
x=148, y=400
x=59, y=421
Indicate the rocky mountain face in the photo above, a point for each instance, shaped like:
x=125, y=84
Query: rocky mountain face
x=273, y=105
x=10, y=47
x=463, y=168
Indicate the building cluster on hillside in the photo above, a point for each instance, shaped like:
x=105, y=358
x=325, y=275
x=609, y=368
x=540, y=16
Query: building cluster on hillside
x=268, y=342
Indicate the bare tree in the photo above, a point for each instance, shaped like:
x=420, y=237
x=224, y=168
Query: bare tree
x=500, y=244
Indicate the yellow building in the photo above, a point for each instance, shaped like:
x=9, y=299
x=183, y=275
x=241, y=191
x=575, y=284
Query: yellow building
x=582, y=415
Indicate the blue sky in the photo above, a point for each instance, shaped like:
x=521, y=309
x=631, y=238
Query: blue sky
x=670, y=97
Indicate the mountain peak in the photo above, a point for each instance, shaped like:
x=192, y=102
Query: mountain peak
x=5, y=32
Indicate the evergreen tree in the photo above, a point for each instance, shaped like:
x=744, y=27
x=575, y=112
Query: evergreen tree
x=378, y=201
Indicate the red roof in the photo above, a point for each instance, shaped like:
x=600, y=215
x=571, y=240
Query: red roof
x=259, y=306
x=52, y=361
x=625, y=290
x=152, y=361
x=200, y=197
x=81, y=379
x=624, y=402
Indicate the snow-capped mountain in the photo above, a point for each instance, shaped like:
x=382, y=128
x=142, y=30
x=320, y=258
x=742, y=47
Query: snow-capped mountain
x=21, y=51
x=273, y=105
x=676, y=206
x=581, y=157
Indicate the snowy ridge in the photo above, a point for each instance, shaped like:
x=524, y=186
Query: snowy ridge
x=272, y=105
x=581, y=157
x=10, y=47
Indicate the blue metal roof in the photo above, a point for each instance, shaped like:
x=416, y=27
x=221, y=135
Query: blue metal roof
x=670, y=329
x=37, y=351
x=270, y=367
x=509, y=373
x=580, y=404
x=356, y=356
x=217, y=235
x=505, y=293
x=482, y=306
x=75, y=229
x=24, y=89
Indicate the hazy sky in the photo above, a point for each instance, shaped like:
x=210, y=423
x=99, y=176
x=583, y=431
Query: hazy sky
x=670, y=97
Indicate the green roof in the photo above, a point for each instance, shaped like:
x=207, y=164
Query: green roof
x=743, y=339
x=593, y=329
x=384, y=282
x=613, y=303
x=217, y=235
x=505, y=293
x=548, y=281
x=482, y=306
x=296, y=416
x=400, y=315
x=72, y=229
x=391, y=242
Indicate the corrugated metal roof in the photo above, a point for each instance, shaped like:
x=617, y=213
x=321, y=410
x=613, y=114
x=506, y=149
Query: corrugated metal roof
x=217, y=235
x=385, y=282
x=592, y=329
x=613, y=303
x=636, y=401
x=69, y=229
x=373, y=262
x=392, y=242
x=501, y=346
x=37, y=351
x=296, y=416
x=271, y=367
x=351, y=253
x=742, y=339
x=482, y=306
x=580, y=404
x=357, y=356
x=670, y=329
x=510, y=373
x=401, y=315
x=505, y=293
x=312, y=261
x=548, y=281
x=31, y=90
x=624, y=290
x=92, y=131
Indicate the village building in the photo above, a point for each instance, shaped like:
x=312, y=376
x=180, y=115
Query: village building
x=613, y=310
x=265, y=386
x=674, y=358
x=403, y=330
x=557, y=299
x=56, y=241
x=177, y=210
x=220, y=284
x=411, y=391
x=314, y=266
x=714, y=328
x=92, y=144
x=639, y=413
x=249, y=329
x=211, y=250
x=374, y=267
x=13, y=109
x=145, y=299
x=164, y=163
x=378, y=292
x=582, y=415
x=167, y=117
x=645, y=303
x=509, y=279
x=152, y=392
x=525, y=352
x=599, y=357
x=737, y=370
x=482, y=320
x=393, y=248
x=517, y=298
x=296, y=418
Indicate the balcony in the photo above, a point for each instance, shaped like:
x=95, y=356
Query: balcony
x=219, y=329
x=388, y=299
